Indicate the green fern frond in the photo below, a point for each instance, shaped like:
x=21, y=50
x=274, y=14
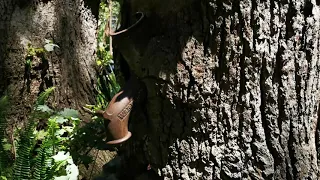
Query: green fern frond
x=44, y=96
x=4, y=102
x=43, y=162
x=4, y=154
x=22, y=165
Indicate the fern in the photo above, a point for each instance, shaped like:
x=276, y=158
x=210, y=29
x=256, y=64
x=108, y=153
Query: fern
x=39, y=163
x=43, y=162
x=4, y=154
x=22, y=165
x=44, y=96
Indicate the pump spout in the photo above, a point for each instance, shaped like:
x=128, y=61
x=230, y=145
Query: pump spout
x=118, y=112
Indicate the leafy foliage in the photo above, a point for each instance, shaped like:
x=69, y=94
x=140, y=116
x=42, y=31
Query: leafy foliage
x=107, y=84
x=5, y=146
x=44, y=96
x=52, y=151
x=38, y=149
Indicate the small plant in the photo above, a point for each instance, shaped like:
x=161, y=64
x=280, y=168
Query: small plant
x=44, y=144
x=107, y=85
x=5, y=146
x=33, y=52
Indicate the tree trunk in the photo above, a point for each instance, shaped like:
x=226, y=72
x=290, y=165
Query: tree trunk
x=69, y=24
x=72, y=25
x=232, y=88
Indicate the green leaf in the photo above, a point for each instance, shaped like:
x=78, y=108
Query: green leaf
x=7, y=147
x=68, y=113
x=72, y=171
x=61, y=178
x=44, y=108
x=68, y=128
x=41, y=135
x=50, y=47
x=61, y=120
x=60, y=132
x=44, y=96
x=61, y=156
x=99, y=62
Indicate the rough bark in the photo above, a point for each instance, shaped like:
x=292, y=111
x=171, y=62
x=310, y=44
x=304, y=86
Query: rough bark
x=70, y=68
x=233, y=88
x=72, y=25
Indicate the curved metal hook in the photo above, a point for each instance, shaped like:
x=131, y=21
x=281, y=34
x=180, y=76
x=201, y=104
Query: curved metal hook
x=127, y=29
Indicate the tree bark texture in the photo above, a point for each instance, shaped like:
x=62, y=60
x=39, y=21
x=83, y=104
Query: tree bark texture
x=72, y=26
x=233, y=87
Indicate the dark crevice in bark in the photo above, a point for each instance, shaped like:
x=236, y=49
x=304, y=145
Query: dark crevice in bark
x=291, y=142
x=205, y=28
x=291, y=148
x=224, y=176
x=265, y=123
x=307, y=11
x=94, y=6
x=317, y=134
x=311, y=84
x=307, y=49
x=27, y=3
x=185, y=128
x=298, y=90
x=221, y=56
x=255, y=70
x=277, y=79
x=289, y=20
x=317, y=128
x=45, y=81
x=242, y=77
x=273, y=31
x=155, y=134
x=179, y=159
x=242, y=58
x=192, y=80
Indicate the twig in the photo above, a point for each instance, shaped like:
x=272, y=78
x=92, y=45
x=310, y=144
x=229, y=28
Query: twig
x=110, y=25
x=97, y=112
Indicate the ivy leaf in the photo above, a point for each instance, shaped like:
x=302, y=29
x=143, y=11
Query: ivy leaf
x=50, y=47
x=61, y=156
x=68, y=113
x=41, y=135
x=60, y=132
x=72, y=171
x=61, y=178
x=61, y=120
x=68, y=128
x=44, y=108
